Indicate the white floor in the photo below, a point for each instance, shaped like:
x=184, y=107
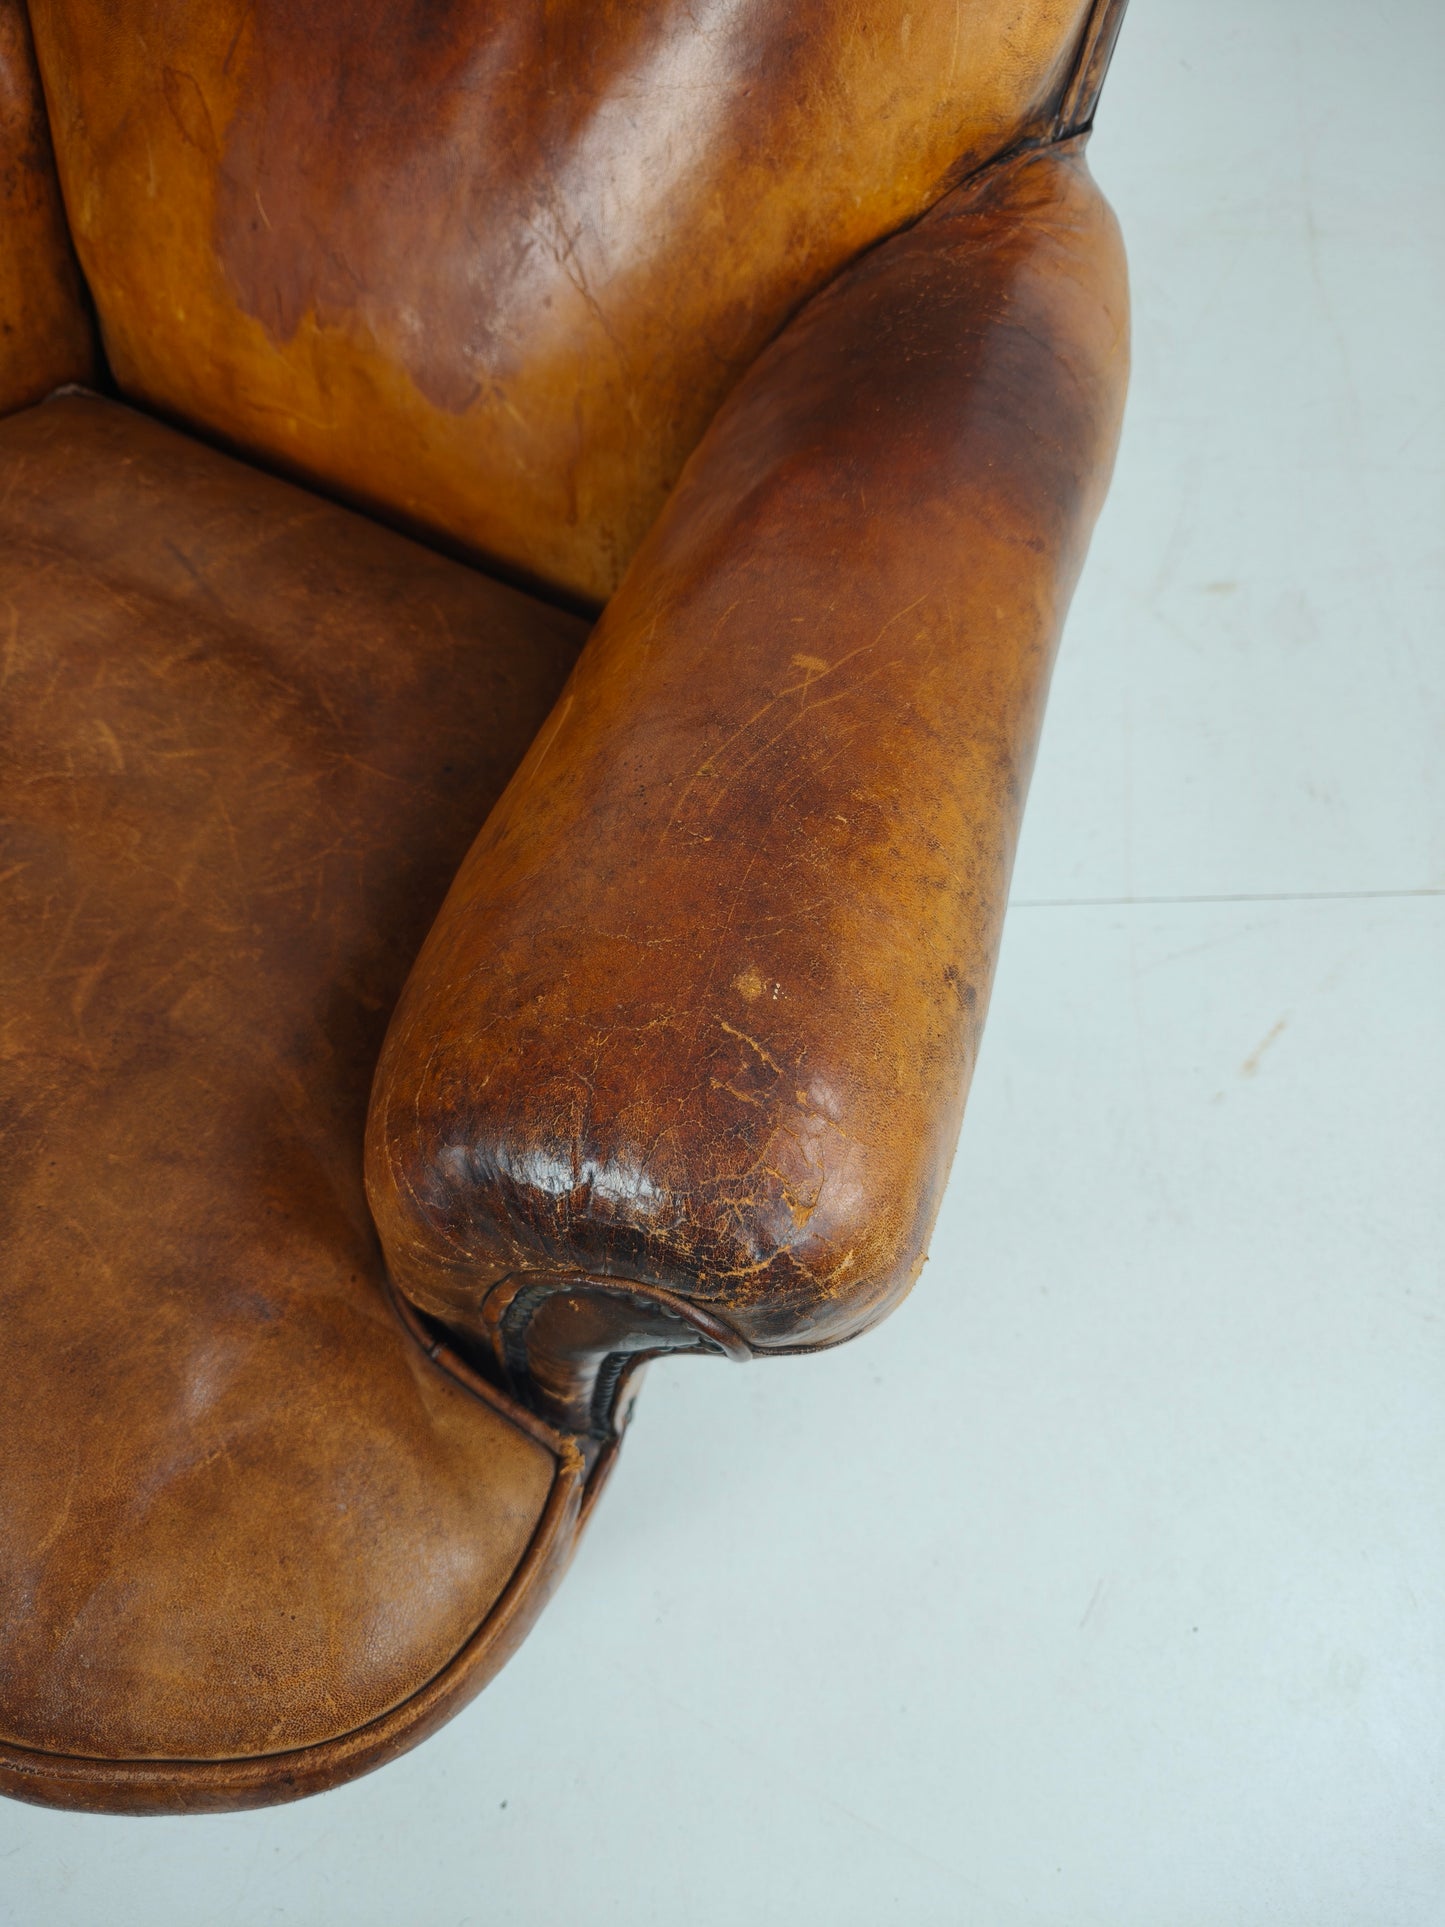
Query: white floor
x=1105, y=1586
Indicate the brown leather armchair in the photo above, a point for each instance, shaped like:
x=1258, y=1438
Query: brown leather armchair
x=358, y=366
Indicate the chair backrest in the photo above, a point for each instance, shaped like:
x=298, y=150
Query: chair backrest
x=489, y=266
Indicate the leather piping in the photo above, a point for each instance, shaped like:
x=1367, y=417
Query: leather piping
x=506, y=1313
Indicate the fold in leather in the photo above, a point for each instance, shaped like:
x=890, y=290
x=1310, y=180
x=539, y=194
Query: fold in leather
x=701, y=1008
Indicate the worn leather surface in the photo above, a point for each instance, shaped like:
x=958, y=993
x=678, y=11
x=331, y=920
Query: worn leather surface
x=45, y=333
x=247, y=738
x=702, y=1006
x=491, y=268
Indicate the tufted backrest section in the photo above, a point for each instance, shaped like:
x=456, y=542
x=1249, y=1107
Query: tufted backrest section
x=489, y=266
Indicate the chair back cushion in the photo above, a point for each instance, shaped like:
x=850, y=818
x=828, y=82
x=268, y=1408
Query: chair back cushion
x=489, y=266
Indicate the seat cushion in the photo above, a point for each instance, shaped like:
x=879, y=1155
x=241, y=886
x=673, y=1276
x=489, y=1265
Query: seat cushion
x=247, y=738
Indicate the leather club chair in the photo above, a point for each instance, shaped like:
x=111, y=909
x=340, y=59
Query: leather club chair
x=532, y=534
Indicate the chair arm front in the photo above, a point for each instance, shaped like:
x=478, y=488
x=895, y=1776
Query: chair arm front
x=693, y=1030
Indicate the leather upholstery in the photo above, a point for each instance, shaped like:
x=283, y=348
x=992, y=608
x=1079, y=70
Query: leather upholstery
x=805, y=325
x=702, y=1006
x=492, y=268
x=247, y=737
x=45, y=332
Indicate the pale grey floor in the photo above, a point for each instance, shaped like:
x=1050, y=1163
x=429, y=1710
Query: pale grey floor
x=1104, y=1587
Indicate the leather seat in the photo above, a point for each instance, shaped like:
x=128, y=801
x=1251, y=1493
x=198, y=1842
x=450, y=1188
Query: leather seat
x=247, y=738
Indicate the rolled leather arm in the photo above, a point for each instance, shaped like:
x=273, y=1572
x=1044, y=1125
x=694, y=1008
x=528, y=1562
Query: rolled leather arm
x=694, y=1027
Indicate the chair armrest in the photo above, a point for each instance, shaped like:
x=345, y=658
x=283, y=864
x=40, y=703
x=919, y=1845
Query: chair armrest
x=46, y=337
x=694, y=1027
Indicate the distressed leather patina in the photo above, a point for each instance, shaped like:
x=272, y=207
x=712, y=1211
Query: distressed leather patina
x=525, y=631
